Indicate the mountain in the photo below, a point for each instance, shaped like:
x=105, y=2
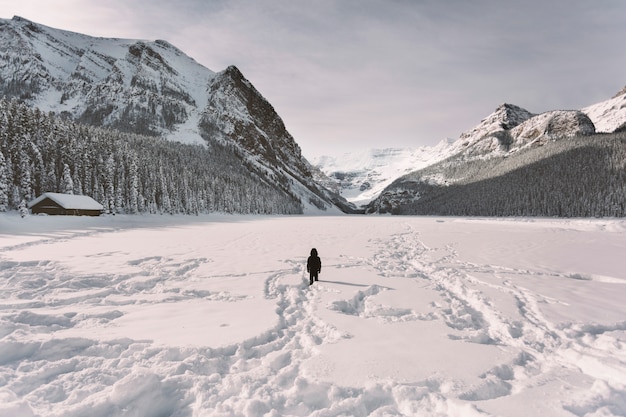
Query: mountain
x=510, y=128
x=127, y=173
x=582, y=176
x=515, y=162
x=131, y=85
x=361, y=175
x=153, y=88
x=491, y=129
x=609, y=115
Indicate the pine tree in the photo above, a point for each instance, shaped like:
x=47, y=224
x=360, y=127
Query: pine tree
x=67, y=187
x=25, y=179
x=165, y=202
x=133, y=197
x=109, y=180
x=4, y=186
x=23, y=209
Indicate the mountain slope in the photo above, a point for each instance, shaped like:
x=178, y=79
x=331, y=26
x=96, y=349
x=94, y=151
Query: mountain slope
x=609, y=115
x=517, y=163
x=575, y=178
x=139, y=86
x=237, y=112
x=360, y=176
x=153, y=88
x=126, y=173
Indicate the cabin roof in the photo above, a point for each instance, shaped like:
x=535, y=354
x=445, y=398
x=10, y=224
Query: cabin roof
x=69, y=201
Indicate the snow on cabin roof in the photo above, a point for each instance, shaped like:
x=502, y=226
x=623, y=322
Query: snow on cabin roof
x=69, y=201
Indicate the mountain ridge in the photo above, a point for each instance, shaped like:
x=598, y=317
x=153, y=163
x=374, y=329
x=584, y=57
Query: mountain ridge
x=360, y=176
x=134, y=85
x=494, y=155
x=507, y=130
x=153, y=88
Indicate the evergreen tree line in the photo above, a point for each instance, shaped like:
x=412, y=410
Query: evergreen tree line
x=573, y=177
x=127, y=173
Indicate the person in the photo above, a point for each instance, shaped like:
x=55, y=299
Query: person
x=313, y=266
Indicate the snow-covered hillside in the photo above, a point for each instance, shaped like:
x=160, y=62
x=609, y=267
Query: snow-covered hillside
x=194, y=316
x=105, y=80
x=609, y=115
x=510, y=128
x=362, y=175
x=152, y=88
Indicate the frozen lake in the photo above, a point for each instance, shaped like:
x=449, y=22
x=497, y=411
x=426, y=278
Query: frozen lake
x=213, y=316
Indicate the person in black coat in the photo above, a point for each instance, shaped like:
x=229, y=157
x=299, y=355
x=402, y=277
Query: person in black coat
x=313, y=266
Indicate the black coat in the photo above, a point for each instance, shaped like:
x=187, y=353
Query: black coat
x=314, y=263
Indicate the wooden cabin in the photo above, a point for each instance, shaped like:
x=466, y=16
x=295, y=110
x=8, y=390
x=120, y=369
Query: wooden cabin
x=65, y=204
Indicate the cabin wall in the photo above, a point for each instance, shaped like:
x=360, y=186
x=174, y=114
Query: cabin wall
x=49, y=207
x=64, y=212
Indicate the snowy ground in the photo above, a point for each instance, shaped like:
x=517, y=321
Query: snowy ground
x=213, y=316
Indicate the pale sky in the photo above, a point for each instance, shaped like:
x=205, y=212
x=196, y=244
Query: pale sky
x=355, y=74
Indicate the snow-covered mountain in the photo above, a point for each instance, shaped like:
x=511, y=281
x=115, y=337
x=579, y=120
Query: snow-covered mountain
x=505, y=117
x=360, y=176
x=140, y=86
x=153, y=88
x=510, y=128
x=480, y=154
x=609, y=115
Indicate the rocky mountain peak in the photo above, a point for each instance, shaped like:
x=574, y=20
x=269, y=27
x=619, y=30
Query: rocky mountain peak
x=233, y=72
x=239, y=111
x=511, y=115
x=22, y=22
x=552, y=125
x=491, y=133
x=506, y=116
x=510, y=127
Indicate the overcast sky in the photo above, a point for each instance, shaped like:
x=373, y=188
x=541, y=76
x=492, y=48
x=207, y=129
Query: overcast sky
x=354, y=74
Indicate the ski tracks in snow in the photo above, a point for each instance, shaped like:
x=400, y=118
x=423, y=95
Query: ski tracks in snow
x=46, y=374
x=485, y=304
x=265, y=376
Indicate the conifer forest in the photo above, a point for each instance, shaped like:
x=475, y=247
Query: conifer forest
x=582, y=176
x=127, y=173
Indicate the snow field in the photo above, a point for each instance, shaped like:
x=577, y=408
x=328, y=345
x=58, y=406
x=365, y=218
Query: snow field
x=213, y=316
